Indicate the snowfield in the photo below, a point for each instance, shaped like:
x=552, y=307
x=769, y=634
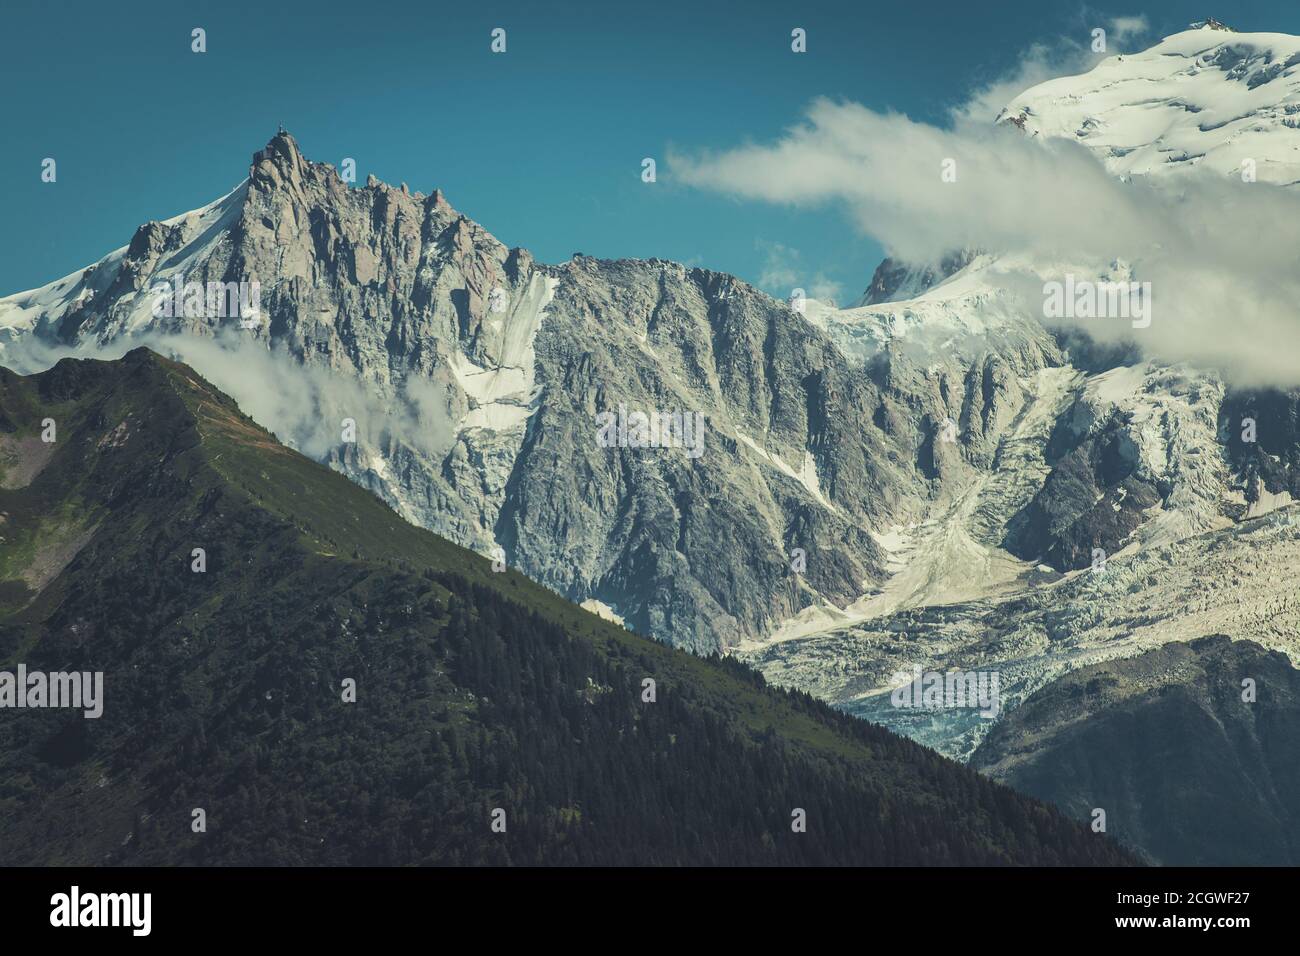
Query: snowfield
x=1206, y=98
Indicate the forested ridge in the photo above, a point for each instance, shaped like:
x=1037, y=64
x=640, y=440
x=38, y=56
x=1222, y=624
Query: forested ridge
x=474, y=691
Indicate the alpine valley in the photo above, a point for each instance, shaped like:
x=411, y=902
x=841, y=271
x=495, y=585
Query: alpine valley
x=293, y=675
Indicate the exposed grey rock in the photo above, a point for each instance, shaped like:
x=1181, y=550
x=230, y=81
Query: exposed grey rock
x=475, y=375
x=803, y=447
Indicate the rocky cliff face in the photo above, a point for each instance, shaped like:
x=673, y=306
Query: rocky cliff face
x=465, y=383
x=483, y=374
x=894, y=280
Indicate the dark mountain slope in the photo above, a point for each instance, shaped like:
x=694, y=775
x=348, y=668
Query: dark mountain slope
x=1185, y=769
x=474, y=690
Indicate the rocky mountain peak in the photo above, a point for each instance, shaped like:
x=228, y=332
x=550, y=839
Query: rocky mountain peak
x=282, y=152
x=894, y=280
x=477, y=376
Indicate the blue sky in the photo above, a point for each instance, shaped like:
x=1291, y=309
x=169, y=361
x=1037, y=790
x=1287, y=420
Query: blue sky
x=542, y=145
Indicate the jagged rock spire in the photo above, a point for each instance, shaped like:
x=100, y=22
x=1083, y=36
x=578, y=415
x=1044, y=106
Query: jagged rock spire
x=1209, y=23
x=280, y=158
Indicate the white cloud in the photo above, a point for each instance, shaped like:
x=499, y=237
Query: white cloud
x=779, y=272
x=1220, y=254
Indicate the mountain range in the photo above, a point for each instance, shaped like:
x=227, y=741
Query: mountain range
x=934, y=477
x=294, y=675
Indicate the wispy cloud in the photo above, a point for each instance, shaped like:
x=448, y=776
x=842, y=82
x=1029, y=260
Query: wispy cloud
x=1064, y=56
x=303, y=405
x=1125, y=29
x=784, y=271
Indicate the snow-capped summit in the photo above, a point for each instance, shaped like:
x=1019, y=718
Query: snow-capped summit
x=1205, y=98
x=1079, y=449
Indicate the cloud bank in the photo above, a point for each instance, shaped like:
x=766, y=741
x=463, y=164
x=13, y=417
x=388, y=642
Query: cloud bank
x=1220, y=254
